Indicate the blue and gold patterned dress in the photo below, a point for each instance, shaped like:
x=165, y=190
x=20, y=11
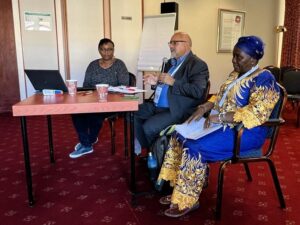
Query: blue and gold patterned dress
x=252, y=100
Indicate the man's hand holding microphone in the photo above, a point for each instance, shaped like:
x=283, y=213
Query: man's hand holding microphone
x=159, y=77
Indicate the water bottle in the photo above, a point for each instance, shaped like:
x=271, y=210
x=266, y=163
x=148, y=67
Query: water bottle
x=152, y=166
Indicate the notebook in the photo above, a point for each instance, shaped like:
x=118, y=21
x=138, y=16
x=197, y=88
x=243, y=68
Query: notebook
x=49, y=79
x=194, y=130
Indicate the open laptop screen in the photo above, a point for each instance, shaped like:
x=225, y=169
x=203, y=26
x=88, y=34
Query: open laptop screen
x=46, y=79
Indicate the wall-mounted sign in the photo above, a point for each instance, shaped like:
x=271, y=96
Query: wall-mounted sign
x=230, y=28
x=35, y=21
x=126, y=17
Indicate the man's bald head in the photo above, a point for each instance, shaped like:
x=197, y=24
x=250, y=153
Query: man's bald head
x=180, y=44
x=184, y=36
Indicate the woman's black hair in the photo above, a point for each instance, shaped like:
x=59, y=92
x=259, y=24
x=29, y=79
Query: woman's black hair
x=104, y=41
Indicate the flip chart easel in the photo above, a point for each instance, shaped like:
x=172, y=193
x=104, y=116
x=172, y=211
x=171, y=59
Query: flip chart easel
x=157, y=31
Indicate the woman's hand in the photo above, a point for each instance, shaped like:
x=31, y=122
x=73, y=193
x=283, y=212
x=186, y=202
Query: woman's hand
x=201, y=110
x=225, y=118
x=211, y=119
x=214, y=118
x=197, y=115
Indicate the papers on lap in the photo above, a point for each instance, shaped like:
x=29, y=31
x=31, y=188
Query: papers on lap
x=125, y=89
x=194, y=130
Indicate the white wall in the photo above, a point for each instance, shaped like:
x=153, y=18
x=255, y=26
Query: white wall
x=85, y=29
x=126, y=33
x=126, y=27
x=39, y=48
x=199, y=18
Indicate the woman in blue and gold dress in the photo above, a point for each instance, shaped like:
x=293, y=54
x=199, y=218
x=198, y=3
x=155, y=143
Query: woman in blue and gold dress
x=248, y=96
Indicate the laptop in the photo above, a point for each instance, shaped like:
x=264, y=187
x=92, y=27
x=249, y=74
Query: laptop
x=49, y=79
x=46, y=79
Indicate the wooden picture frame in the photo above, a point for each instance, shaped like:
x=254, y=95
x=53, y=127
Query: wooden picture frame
x=230, y=27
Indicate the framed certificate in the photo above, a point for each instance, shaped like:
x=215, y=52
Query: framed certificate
x=230, y=28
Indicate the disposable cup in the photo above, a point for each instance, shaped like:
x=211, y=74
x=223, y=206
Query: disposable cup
x=72, y=86
x=102, y=90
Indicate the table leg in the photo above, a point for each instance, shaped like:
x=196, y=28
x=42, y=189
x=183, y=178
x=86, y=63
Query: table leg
x=132, y=155
x=50, y=138
x=126, y=134
x=134, y=193
x=27, y=161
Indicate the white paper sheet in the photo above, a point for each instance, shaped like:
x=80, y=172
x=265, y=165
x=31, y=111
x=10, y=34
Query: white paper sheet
x=125, y=89
x=194, y=130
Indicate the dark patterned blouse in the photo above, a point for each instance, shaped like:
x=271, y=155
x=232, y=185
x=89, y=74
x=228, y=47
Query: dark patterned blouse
x=115, y=75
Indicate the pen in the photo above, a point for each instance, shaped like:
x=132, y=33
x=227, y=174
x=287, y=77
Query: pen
x=87, y=93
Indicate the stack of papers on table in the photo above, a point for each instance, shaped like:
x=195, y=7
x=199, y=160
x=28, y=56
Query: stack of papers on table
x=125, y=89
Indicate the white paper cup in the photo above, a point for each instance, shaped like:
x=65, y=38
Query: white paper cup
x=72, y=86
x=102, y=90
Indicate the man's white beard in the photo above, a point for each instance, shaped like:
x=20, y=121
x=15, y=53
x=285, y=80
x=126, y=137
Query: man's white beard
x=173, y=54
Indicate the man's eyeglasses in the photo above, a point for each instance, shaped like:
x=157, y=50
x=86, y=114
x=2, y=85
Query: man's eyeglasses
x=106, y=49
x=175, y=42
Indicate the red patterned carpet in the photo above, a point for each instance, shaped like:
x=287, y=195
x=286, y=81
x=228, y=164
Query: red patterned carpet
x=94, y=189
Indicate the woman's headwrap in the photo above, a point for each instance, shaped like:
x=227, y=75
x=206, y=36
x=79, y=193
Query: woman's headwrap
x=252, y=46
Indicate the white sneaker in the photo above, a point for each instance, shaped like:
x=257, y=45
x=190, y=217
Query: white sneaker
x=82, y=150
x=78, y=145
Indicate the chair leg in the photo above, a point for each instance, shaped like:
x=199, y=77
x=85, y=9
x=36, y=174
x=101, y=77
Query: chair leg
x=248, y=173
x=112, y=136
x=276, y=183
x=220, y=190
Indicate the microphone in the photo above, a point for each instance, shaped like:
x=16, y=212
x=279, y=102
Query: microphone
x=165, y=60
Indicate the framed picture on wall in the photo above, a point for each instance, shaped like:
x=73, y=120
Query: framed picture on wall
x=230, y=27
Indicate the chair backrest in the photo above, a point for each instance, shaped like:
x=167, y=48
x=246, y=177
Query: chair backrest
x=273, y=124
x=132, y=80
x=285, y=69
x=276, y=71
x=291, y=82
x=278, y=109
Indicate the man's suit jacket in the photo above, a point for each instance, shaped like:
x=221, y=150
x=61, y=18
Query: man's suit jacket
x=189, y=87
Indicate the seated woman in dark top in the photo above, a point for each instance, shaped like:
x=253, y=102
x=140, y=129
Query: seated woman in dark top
x=106, y=70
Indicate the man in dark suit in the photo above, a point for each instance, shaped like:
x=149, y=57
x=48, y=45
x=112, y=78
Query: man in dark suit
x=178, y=90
